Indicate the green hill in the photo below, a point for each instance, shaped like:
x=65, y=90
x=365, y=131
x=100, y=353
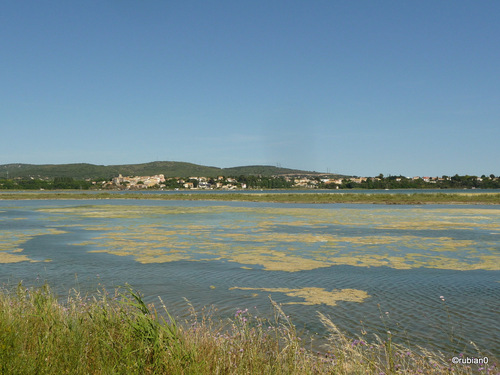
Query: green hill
x=167, y=168
x=263, y=170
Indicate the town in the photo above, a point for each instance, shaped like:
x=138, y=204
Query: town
x=300, y=182
x=248, y=182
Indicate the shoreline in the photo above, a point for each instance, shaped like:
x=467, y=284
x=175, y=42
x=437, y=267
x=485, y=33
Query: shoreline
x=147, y=339
x=300, y=198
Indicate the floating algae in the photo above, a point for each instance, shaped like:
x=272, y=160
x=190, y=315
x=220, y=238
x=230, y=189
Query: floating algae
x=13, y=258
x=11, y=243
x=132, y=211
x=316, y=296
x=294, y=239
x=277, y=261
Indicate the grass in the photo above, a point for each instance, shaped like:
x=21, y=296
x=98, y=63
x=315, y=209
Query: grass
x=411, y=198
x=120, y=334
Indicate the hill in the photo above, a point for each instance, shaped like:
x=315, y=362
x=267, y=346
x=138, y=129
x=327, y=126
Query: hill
x=264, y=170
x=167, y=168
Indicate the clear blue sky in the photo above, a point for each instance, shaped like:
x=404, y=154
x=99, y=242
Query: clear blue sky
x=354, y=87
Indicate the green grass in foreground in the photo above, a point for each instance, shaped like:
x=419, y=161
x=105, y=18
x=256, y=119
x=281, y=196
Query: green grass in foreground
x=412, y=198
x=120, y=334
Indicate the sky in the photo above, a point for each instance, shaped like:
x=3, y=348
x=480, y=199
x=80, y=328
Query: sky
x=353, y=87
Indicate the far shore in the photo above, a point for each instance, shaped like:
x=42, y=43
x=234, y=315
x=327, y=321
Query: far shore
x=366, y=198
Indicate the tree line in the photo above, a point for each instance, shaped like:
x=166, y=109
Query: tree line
x=57, y=183
x=275, y=182
x=401, y=182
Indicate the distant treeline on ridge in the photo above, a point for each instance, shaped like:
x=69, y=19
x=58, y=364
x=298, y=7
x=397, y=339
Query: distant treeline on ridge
x=179, y=175
x=167, y=168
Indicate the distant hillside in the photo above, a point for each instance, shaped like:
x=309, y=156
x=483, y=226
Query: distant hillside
x=81, y=171
x=167, y=168
x=264, y=170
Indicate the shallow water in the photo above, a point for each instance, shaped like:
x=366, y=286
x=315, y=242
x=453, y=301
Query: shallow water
x=372, y=266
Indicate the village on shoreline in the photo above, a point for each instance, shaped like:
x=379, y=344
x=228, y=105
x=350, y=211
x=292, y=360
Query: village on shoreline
x=247, y=182
x=296, y=182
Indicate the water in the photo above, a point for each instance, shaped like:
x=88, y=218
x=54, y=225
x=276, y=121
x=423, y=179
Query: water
x=366, y=266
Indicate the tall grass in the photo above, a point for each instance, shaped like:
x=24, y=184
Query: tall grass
x=120, y=334
x=367, y=198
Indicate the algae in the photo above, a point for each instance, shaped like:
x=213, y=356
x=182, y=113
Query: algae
x=13, y=258
x=291, y=239
x=316, y=296
x=11, y=243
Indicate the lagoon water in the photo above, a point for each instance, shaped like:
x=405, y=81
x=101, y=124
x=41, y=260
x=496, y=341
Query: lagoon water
x=368, y=267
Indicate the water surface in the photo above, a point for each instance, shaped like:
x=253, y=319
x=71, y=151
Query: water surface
x=375, y=267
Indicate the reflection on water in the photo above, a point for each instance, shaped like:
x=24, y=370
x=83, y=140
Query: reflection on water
x=354, y=263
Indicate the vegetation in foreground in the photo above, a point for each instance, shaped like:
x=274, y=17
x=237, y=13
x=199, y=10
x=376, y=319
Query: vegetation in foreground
x=414, y=198
x=120, y=334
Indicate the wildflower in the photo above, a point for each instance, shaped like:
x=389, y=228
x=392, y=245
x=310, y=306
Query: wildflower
x=240, y=312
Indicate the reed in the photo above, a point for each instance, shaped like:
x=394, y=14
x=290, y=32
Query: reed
x=366, y=198
x=120, y=334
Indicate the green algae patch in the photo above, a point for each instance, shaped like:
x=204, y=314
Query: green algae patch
x=11, y=243
x=130, y=211
x=10, y=240
x=148, y=256
x=291, y=239
x=291, y=242
x=316, y=296
x=278, y=261
x=13, y=258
